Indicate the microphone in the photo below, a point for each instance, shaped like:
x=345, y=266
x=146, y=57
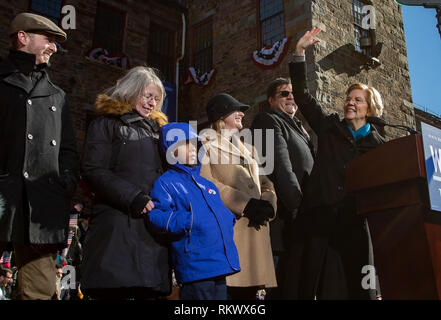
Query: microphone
x=380, y=122
x=377, y=121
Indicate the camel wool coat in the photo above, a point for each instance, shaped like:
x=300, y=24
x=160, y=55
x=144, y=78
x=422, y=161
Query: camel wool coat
x=235, y=172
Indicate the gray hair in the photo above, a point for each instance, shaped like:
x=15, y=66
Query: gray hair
x=132, y=85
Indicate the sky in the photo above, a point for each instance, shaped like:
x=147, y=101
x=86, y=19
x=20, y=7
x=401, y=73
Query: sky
x=424, y=56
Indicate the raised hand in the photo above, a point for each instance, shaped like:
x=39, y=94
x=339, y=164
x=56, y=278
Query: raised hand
x=307, y=40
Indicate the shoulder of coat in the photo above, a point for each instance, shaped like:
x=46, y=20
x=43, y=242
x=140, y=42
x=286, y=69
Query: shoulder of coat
x=265, y=119
x=46, y=75
x=104, y=105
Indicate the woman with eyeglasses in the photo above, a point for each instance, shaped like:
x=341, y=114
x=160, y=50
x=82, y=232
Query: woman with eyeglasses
x=336, y=240
x=121, y=161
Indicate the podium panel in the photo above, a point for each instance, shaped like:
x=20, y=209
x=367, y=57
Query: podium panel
x=391, y=190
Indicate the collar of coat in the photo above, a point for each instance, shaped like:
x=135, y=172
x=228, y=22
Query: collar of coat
x=106, y=106
x=242, y=153
x=25, y=62
x=296, y=124
x=234, y=147
x=286, y=117
x=11, y=73
x=343, y=127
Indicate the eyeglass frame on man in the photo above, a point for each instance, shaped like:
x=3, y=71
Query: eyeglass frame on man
x=285, y=93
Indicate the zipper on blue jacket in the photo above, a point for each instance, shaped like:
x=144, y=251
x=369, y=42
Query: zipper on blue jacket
x=187, y=244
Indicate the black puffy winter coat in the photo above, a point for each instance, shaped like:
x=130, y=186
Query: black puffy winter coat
x=120, y=161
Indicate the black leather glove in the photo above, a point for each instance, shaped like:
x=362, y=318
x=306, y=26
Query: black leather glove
x=258, y=212
x=138, y=204
x=69, y=181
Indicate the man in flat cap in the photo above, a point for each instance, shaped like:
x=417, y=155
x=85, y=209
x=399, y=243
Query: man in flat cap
x=38, y=156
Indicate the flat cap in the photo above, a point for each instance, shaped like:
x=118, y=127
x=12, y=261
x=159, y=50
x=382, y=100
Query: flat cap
x=33, y=22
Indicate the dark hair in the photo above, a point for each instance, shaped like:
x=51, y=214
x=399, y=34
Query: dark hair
x=58, y=266
x=272, y=87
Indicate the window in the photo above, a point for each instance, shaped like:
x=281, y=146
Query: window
x=51, y=9
x=203, y=46
x=272, y=21
x=161, y=51
x=109, y=28
x=361, y=35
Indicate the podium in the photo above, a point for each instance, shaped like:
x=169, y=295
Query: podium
x=391, y=190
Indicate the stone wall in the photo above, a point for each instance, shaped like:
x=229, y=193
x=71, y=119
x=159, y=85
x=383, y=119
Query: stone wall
x=334, y=64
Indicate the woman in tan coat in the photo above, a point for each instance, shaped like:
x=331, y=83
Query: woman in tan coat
x=232, y=166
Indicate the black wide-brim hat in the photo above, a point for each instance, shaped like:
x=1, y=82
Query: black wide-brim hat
x=222, y=105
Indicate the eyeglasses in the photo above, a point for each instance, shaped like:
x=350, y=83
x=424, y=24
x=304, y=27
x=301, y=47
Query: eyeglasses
x=356, y=100
x=284, y=93
x=149, y=97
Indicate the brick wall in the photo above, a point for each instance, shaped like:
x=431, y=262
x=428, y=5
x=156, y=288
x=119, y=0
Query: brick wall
x=80, y=77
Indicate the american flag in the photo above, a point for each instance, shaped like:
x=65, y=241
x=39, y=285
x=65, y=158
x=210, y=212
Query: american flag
x=73, y=223
x=69, y=238
x=73, y=220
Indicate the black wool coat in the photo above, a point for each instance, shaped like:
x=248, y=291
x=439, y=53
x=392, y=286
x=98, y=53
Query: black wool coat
x=331, y=242
x=121, y=160
x=292, y=154
x=38, y=155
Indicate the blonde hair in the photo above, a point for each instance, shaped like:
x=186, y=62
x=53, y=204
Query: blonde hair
x=132, y=85
x=374, y=101
x=218, y=126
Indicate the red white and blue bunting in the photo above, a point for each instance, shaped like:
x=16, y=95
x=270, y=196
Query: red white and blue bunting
x=270, y=56
x=100, y=54
x=194, y=75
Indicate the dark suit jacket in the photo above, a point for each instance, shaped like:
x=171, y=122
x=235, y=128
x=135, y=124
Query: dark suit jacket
x=292, y=153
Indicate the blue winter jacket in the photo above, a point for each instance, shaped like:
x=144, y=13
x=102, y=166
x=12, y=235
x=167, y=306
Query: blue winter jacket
x=189, y=209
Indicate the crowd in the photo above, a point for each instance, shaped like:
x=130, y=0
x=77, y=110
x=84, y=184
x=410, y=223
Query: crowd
x=176, y=213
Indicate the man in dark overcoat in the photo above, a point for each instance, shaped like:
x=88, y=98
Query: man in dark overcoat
x=292, y=154
x=38, y=156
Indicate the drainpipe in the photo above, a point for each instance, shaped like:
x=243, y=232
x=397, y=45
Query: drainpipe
x=177, y=62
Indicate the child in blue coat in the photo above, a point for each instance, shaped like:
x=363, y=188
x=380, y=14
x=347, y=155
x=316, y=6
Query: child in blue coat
x=189, y=209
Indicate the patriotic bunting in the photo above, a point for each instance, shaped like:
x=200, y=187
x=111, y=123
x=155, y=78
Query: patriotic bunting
x=194, y=75
x=270, y=56
x=100, y=54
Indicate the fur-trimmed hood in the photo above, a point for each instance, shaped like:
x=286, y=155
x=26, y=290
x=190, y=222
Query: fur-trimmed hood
x=106, y=106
